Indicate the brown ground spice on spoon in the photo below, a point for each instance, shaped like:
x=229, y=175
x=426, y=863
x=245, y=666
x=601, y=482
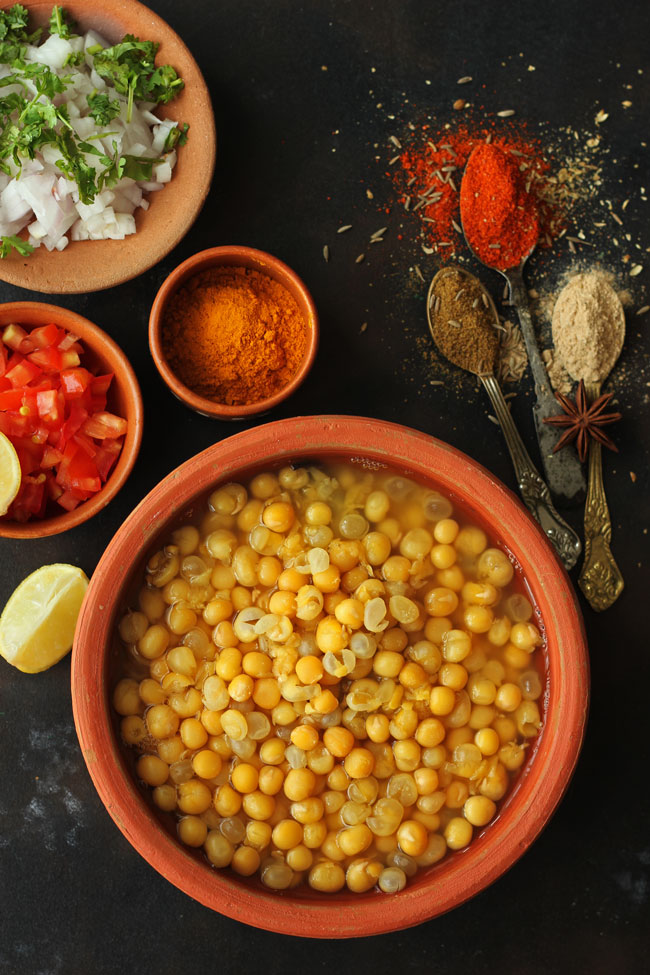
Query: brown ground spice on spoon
x=463, y=324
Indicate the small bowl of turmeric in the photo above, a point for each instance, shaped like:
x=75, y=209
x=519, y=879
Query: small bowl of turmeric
x=233, y=331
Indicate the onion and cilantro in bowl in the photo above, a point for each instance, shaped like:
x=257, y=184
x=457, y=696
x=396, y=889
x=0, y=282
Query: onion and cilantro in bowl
x=93, y=111
x=79, y=145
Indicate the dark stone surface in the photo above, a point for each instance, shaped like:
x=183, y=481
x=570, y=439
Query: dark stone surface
x=297, y=148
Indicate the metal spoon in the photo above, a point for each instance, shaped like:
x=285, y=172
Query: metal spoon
x=563, y=470
x=600, y=577
x=533, y=489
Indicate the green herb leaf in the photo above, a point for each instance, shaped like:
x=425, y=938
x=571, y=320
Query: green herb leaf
x=176, y=136
x=102, y=108
x=7, y=244
x=61, y=23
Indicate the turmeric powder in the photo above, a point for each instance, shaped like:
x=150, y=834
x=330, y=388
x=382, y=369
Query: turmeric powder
x=234, y=335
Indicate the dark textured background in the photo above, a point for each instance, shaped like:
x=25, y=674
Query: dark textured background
x=297, y=148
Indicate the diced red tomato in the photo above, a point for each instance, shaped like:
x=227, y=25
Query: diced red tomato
x=77, y=471
x=50, y=405
x=11, y=399
x=46, y=336
x=106, y=456
x=49, y=360
x=51, y=457
x=67, y=500
x=75, y=382
x=23, y=373
x=54, y=411
x=86, y=443
x=104, y=426
x=30, y=500
x=70, y=341
x=75, y=421
x=13, y=335
x=69, y=359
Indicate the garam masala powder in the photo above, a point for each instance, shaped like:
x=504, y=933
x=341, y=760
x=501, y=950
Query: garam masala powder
x=234, y=335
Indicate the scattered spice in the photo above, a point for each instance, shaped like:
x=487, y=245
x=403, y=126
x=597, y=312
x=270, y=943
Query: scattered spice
x=234, y=335
x=499, y=216
x=583, y=421
x=428, y=182
x=513, y=358
x=588, y=326
x=463, y=332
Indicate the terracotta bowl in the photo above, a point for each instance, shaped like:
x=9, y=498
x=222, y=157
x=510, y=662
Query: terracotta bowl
x=231, y=256
x=94, y=265
x=101, y=355
x=523, y=813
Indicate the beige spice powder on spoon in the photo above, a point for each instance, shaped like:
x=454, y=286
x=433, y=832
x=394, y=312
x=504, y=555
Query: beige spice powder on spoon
x=588, y=327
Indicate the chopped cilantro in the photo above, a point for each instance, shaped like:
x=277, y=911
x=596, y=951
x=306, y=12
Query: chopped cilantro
x=102, y=108
x=7, y=244
x=61, y=23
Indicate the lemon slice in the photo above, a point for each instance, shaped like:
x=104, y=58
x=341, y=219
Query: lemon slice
x=38, y=623
x=10, y=475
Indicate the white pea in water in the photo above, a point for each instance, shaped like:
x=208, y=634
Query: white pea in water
x=392, y=880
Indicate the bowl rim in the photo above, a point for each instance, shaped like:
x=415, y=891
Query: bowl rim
x=525, y=811
x=232, y=255
x=31, y=314
x=114, y=262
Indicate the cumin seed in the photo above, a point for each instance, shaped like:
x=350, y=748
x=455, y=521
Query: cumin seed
x=615, y=217
x=347, y=226
x=360, y=258
x=457, y=227
x=506, y=112
x=464, y=80
x=396, y=142
x=326, y=252
x=644, y=310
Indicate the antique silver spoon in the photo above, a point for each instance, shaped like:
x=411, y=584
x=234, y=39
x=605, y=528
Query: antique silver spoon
x=533, y=489
x=563, y=470
x=600, y=578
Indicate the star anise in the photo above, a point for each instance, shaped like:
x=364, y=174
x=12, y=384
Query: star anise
x=583, y=421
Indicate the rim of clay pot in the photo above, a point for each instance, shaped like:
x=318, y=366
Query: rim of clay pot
x=525, y=810
x=85, y=266
x=234, y=255
x=103, y=355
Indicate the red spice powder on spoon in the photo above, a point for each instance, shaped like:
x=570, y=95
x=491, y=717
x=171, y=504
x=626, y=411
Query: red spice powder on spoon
x=500, y=217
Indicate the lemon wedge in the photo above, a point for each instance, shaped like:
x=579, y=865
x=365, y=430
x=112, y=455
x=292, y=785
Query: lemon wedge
x=10, y=475
x=37, y=625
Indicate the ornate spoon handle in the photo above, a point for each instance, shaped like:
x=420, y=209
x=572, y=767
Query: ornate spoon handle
x=532, y=487
x=600, y=577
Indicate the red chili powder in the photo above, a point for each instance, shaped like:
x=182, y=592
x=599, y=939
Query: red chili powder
x=429, y=179
x=499, y=216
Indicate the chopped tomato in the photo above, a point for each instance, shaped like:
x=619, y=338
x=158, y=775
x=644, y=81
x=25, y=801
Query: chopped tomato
x=13, y=335
x=54, y=412
x=23, y=373
x=49, y=360
x=104, y=426
x=106, y=456
x=49, y=404
x=77, y=470
x=46, y=336
x=75, y=382
x=11, y=399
